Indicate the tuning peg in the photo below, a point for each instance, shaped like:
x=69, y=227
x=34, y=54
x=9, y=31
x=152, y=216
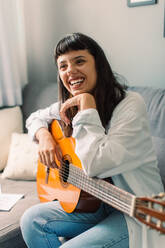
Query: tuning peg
x=162, y=194
x=158, y=224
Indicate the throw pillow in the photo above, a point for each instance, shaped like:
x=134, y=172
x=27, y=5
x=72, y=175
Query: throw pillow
x=10, y=121
x=159, y=145
x=22, y=159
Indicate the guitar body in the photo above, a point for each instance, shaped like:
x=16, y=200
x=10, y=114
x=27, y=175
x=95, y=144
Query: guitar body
x=51, y=185
x=65, y=182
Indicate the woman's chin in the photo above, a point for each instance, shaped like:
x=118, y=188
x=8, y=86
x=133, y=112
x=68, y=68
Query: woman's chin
x=77, y=92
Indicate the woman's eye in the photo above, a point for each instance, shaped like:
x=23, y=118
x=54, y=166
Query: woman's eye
x=80, y=61
x=62, y=67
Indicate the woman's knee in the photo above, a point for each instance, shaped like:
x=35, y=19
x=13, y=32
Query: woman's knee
x=29, y=219
x=35, y=218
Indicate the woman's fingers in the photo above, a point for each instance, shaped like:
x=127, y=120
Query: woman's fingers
x=58, y=153
x=52, y=160
x=42, y=158
x=82, y=101
x=48, y=158
x=71, y=102
x=48, y=149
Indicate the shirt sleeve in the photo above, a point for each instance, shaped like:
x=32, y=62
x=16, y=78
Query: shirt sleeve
x=126, y=146
x=42, y=118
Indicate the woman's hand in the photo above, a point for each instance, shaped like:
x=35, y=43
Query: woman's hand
x=82, y=101
x=48, y=148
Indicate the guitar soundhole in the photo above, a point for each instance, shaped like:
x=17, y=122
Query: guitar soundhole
x=64, y=171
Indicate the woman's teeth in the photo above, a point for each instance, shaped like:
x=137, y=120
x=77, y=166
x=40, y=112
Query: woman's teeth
x=77, y=82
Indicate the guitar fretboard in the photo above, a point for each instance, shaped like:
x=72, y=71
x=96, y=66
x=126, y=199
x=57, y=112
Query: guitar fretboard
x=101, y=189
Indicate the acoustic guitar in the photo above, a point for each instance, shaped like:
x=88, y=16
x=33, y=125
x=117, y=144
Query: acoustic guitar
x=65, y=183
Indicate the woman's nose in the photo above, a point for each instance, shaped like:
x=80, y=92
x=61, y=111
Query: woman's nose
x=71, y=69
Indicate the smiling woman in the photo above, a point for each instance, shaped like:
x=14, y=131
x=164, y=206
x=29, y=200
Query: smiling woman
x=113, y=142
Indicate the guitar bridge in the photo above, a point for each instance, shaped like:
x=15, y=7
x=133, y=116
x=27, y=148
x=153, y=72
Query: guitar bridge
x=47, y=175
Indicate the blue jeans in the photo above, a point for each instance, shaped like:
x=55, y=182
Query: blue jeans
x=42, y=224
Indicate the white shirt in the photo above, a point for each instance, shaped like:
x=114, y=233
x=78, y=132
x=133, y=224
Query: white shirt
x=125, y=153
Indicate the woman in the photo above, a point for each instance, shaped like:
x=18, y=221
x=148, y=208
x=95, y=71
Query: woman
x=113, y=141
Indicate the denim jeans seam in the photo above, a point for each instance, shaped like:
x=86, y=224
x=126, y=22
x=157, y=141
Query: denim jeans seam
x=73, y=221
x=44, y=233
x=45, y=236
x=44, y=226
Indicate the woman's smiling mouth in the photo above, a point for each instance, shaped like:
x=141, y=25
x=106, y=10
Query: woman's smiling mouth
x=76, y=81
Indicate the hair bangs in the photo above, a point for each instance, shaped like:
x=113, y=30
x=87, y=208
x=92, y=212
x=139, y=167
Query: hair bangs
x=69, y=43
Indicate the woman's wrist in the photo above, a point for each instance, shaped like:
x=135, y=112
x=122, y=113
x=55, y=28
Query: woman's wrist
x=87, y=101
x=41, y=133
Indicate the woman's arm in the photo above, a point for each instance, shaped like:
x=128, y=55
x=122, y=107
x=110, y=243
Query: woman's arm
x=126, y=146
x=42, y=118
x=37, y=125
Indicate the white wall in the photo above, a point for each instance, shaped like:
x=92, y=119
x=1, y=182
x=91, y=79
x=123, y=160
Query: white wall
x=132, y=38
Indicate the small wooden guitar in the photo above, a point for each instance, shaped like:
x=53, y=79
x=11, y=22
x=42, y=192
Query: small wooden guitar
x=65, y=183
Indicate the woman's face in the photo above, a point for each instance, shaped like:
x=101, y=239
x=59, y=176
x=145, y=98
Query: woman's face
x=77, y=71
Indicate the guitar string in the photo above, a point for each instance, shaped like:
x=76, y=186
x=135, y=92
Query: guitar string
x=80, y=173
x=98, y=182
x=107, y=194
x=104, y=196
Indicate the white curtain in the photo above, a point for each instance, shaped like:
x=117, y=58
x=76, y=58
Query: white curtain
x=13, y=59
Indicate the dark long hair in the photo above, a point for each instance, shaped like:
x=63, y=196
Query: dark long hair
x=108, y=91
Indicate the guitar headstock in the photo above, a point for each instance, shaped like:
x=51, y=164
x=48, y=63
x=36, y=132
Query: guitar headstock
x=151, y=211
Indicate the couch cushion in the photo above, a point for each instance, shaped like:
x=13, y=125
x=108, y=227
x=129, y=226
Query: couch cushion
x=46, y=94
x=155, y=103
x=9, y=221
x=10, y=121
x=22, y=159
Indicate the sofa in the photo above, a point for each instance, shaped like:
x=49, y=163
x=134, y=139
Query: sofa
x=18, y=142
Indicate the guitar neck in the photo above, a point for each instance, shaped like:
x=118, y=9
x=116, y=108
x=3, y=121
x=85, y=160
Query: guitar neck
x=101, y=189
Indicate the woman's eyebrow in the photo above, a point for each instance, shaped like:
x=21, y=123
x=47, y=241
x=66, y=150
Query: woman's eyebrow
x=72, y=59
x=78, y=57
